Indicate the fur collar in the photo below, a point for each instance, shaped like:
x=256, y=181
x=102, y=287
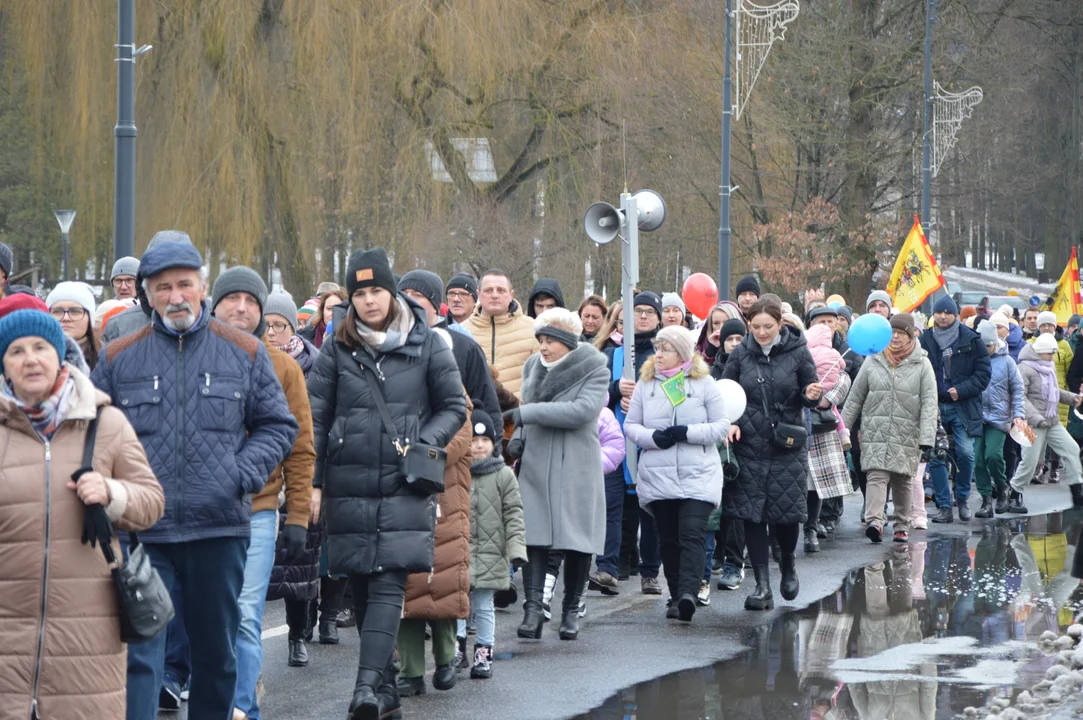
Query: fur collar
x=543, y=385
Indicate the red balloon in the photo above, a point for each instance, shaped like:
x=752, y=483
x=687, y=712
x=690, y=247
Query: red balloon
x=700, y=294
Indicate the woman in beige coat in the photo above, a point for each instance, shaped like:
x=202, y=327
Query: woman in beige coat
x=60, y=650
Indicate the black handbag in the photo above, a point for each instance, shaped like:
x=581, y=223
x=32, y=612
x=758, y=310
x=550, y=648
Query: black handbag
x=145, y=605
x=422, y=465
x=785, y=436
x=823, y=420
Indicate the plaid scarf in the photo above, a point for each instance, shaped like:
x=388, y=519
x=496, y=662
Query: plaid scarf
x=294, y=347
x=48, y=415
x=394, y=336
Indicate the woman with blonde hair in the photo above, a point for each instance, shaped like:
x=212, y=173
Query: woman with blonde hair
x=611, y=334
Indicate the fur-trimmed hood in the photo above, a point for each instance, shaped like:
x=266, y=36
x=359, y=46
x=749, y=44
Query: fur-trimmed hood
x=541, y=384
x=698, y=370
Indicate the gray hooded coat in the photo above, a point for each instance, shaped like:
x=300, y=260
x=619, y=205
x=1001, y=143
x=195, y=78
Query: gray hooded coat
x=898, y=411
x=560, y=476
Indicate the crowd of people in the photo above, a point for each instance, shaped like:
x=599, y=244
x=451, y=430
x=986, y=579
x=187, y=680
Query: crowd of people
x=393, y=452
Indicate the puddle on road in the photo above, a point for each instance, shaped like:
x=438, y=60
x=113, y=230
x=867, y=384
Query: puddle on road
x=936, y=627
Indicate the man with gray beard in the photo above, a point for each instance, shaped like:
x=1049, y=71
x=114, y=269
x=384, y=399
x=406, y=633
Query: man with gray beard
x=207, y=406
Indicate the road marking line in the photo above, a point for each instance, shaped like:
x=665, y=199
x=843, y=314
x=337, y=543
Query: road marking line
x=275, y=632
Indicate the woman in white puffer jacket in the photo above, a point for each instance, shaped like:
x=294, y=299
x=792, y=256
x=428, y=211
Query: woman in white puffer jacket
x=677, y=417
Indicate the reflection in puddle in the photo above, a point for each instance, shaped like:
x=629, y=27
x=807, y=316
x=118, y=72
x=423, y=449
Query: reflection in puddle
x=933, y=629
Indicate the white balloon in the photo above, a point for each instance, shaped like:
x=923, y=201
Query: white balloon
x=733, y=397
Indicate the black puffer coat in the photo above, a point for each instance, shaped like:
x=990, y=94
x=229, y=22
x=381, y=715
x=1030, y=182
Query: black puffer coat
x=771, y=485
x=374, y=522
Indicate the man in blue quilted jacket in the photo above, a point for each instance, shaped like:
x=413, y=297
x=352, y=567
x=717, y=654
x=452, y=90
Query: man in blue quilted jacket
x=210, y=412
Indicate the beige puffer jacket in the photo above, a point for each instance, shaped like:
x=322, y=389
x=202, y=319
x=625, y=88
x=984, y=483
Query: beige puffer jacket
x=508, y=342
x=59, y=629
x=898, y=411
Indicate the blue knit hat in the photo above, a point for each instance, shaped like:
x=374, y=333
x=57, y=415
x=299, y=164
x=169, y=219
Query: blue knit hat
x=946, y=305
x=168, y=255
x=32, y=323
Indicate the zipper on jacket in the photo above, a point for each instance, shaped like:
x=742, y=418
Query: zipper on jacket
x=492, y=320
x=179, y=461
x=44, y=581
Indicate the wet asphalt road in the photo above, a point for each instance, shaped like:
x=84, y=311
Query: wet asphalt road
x=623, y=640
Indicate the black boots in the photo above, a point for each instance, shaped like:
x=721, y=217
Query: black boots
x=761, y=598
x=944, y=515
x=964, y=511
x=1015, y=503
x=789, y=586
x=1002, y=501
x=1077, y=494
x=812, y=541
x=365, y=705
x=298, y=655
x=388, y=695
x=332, y=591
x=533, y=587
x=576, y=569
x=986, y=509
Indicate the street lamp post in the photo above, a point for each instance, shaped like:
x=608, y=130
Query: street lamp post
x=125, y=132
x=65, y=218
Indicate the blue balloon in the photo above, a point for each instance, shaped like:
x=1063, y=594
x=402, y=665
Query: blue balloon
x=835, y=305
x=870, y=334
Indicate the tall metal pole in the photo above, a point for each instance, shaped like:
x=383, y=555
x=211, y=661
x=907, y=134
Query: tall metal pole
x=125, y=132
x=724, y=231
x=926, y=144
x=67, y=275
x=629, y=276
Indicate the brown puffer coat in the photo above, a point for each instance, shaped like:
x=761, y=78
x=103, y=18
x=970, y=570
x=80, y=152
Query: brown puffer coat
x=73, y=647
x=508, y=341
x=444, y=594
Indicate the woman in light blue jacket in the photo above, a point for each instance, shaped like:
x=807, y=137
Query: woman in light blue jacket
x=677, y=417
x=1001, y=406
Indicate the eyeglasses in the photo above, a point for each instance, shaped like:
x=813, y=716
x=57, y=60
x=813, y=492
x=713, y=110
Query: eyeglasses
x=75, y=313
x=459, y=295
x=120, y=282
x=662, y=348
x=643, y=312
x=278, y=327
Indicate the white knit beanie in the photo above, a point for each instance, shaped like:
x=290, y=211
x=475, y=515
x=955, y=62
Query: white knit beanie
x=76, y=292
x=1047, y=318
x=1045, y=343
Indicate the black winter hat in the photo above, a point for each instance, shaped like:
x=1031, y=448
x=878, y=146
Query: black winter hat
x=733, y=326
x=747, y=284
x=482, y=424
x=649, y=298
x=463, y=281
x=369, y=268
x=427, y=283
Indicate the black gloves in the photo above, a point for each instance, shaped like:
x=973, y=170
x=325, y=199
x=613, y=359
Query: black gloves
x=515, y=416
x=293, y=538
x=515, y=448
x=679, y=433
x=97, y=528
x=663, y=439
x=926, y=452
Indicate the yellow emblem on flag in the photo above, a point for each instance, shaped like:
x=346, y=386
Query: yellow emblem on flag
x=1065, y=298
x=916, y=275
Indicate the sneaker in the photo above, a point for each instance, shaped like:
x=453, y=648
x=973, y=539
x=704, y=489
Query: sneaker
x=483, y=663
x=731, y=577
x=901, y=536
x=603, y=582
x=169, y=697
x=650, y=586
x=703, y=597
x=582, y=608
x=873, y=533
x=346, y=619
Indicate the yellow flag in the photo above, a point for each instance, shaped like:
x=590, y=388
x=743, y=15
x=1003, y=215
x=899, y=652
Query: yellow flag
x=1065, y=300
x=916, y=275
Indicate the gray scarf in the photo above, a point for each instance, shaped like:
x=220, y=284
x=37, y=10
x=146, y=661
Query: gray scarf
x=946, y=338
x=394, y=337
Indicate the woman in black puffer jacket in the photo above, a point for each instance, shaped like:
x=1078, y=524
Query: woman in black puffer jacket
x=378, y=528
x=776, y=371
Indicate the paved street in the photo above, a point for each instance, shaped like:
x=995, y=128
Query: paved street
x=623, y=641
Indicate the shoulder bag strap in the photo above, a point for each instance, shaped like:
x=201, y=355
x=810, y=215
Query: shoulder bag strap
x=381, y=405
x=88, y=461
x=763, y=393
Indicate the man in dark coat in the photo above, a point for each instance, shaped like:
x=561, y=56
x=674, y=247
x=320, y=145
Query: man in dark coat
x=424, y=287
x=204, y=399
x=962, y=369
x=546, y=295
x=138, y=317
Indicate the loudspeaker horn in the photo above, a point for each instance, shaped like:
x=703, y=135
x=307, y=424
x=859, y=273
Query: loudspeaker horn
x=602, y=222
x=652, y=210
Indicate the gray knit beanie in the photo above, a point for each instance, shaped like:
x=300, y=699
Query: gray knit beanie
x=241, y=279
x=281, y=303
x=877, y=295
x=124, y=266
x=7, y=259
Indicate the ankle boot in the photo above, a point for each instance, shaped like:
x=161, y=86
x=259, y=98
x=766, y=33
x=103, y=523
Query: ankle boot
x=1077, y=494
x=388, y=694
x=761, y=598
x=789, y=586
x=331, y=594
x=365, y=705
x=576, y=568
x=533, y=587
x=986, y=509
x=298, y=653
x=812, y=542
x=1002, y=501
